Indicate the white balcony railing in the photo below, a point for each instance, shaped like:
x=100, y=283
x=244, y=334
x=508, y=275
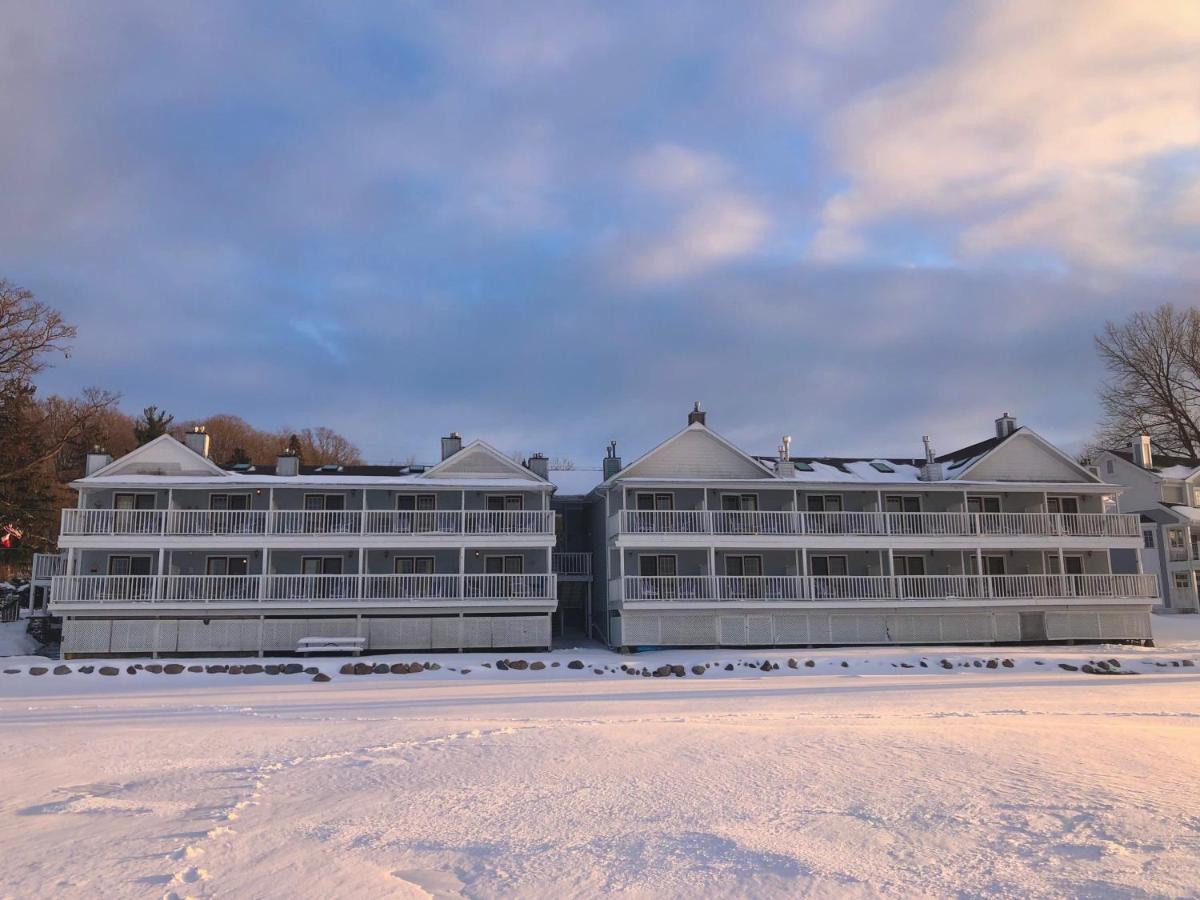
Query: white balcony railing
x=878, y=523
x=185, y=522
x=705, y=588
x=572, y=565
x=316, y=589
x=47, y=565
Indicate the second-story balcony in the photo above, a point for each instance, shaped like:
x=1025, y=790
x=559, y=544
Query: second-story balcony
x=877, y=524
x=279, y=522
x=572, y=565
x=321, y=590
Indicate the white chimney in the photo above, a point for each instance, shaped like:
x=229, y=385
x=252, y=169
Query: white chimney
x=96, y=460
x=197, y=440
x=451, y=444
x=784, y=467
x=933, y=470
x=539, y=465
x=612, y=462
x=1143, y=455
x=1005, y=425
x=287, y=464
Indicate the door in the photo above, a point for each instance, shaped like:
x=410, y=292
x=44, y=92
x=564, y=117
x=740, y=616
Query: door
x=744, y=579
x=652, y=512
x=1072, y=567
x=901, y=509
x=423, y=586
x=227, y=588
x=1067, y=510
x=994, y=569
x=132, y=514
x=658, y=579
x=129, y=581
x=828, y=573
x=227, y=565
x=130, y=565
x=828, y=503
x=909, y=566
x=985, y=516
x=738, y=514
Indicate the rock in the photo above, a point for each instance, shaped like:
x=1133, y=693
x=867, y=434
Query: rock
x=537, y=665
x=62, y=670
x=362, y=668
x=292, y=669
x=993, y=664
x=698, y=670
x=1007, y=663
x=645, y=673
x=766, y=666
x=1189, y=663
x=845, y=665
x=924, y=665
x=793, y=664
x=519, y=664
x=575, y=664
x=234, y=670
x=1102, y=666
x=464, y=671
x=1067, y=667
x=554, y=665
x=502, y=665
x=87, y=670
x=808, y=664
x=312, y=670
x=662, y=671
x=321, y=676
x=678, y=671
x=109, y=670
x=398, y=668
x=195, y=668
x=904, y=665
x=38, y=670
x=946, y=664
x=487, y=665
x=213, y=670
x=597, y=671
x=1115, y=663
x=1092, y=670
x=1175, y=663
x=728, y=667
x=18, y=671
x=272, y=669
x=380, y=669
x=154, y=669
x=173, y=669
x=252, y=669
x=132, y=670
x=433, y=666
x=347, y=669
x=977, y=664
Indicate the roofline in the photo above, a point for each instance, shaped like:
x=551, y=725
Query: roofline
x=158, y=440
x=692, y=426
x=524, y=470
x=1041, y=440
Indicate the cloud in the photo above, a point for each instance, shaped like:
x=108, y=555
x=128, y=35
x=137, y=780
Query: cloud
x=1039, y=131
x=717, y=229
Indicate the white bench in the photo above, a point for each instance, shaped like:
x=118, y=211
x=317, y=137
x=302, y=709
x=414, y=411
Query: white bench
x=352, y=645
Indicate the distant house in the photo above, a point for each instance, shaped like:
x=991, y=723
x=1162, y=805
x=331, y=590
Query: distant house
x=1164, y=491
x=696, y=543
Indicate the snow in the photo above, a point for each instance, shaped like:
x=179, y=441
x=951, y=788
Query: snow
x=1177, y=473
x=1030, y=781
x=14, y=641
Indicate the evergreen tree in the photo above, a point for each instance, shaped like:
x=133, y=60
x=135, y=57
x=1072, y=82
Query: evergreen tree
x=152, y=424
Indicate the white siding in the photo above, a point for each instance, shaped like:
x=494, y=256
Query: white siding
x=162, y=458
x=477, y=461
x=695, y=454
x=1024, y=459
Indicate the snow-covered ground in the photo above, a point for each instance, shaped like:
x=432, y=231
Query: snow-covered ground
x=862, y=780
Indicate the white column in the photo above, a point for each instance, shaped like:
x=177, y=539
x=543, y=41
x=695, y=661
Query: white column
x=362, y=568
x=462, y=572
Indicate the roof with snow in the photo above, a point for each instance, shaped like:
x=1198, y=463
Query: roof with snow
x=1172, y=467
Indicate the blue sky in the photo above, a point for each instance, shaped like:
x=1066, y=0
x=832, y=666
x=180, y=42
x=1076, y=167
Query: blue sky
x=555, y=224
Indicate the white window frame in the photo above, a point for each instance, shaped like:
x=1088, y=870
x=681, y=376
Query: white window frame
x=841, y=499
x=225, y=556
x=999, y=498
x=414, y=559
x=325, y=495
x=842, y=556
x=151, y=494
x=902, y=497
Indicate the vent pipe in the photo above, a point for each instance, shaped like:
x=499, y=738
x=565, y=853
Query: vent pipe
x=784, y=467
x=932, y=470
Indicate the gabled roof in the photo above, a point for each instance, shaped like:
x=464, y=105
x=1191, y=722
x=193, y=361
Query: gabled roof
x=480, y=459
x=164, y=454
x=1173, y=467
x=962, y=470
x=751, y=468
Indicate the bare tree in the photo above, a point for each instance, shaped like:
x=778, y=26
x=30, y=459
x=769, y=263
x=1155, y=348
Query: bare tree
x=1153, y=386
x=562, y=464
x=29, y=329
x=323, y=446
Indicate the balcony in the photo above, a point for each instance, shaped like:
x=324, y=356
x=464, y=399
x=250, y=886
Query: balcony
x=278, y=522
x=875, y=588
x=571, y=565
x=265, y=590
x=878, y=524
x=47, y=565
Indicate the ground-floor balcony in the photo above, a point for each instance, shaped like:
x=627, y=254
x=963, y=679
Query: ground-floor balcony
x=90, y=590
x=572, y=565
x=876, y=524
x=47, y=565
x=881, y=588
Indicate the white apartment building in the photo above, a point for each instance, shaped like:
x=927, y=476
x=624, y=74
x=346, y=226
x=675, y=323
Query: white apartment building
x=696, y=543
x=169, y=553
x=1007, y=540
x=1164, y=492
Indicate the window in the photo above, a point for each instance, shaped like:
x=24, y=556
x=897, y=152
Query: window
x=827, y=566
x=992, y=565
x=1175, y=539
x=133, y=501
x=414, y=565
x=1183, y=580
x=502, y=502
x=130, y=565
x=328, y=502
x=981, y=504
x=909, y=565
x=1065, y=505
x=739, y=502
x=647, y=502
x=901, y=503
x=227, y=565
x=1108, y=467
x=1074, y=564
x=882, y=467
x=228, y=501
x=824, y=503
x=321, y=565
x=748, y=566
x=656, y=565
x=504, y=565
x=1195, y=496
x=413, y=502
x=1148, y=539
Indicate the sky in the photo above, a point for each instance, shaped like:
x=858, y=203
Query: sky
x=551, y=225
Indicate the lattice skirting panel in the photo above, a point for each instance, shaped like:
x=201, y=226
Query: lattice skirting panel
x=700, y=628
x=86, y=636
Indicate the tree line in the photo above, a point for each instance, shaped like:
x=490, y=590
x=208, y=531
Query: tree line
x=44, y=441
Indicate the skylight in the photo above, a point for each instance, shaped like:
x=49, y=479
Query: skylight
x=804, y=467
x=882, y=467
